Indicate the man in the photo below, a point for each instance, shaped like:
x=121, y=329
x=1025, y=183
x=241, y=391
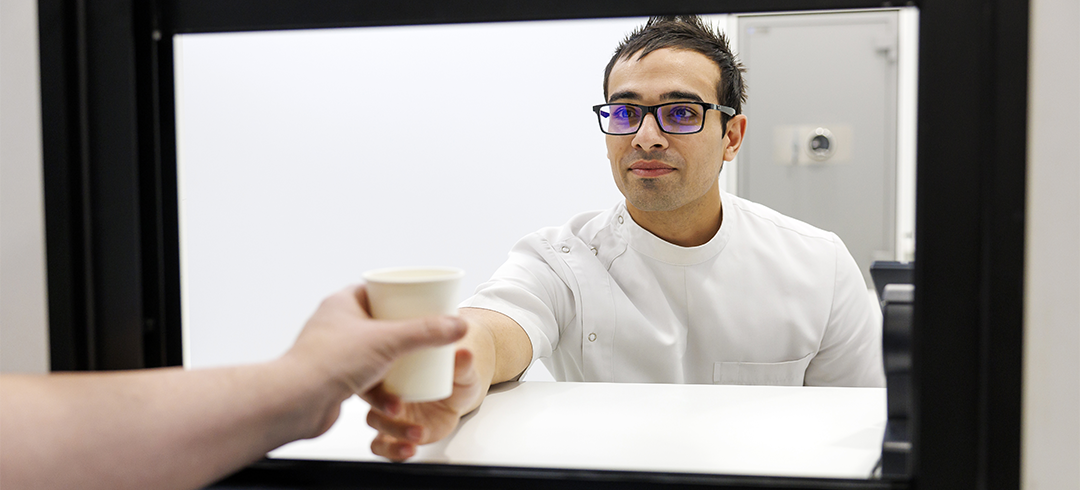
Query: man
x=681, y=283
x=171, y=428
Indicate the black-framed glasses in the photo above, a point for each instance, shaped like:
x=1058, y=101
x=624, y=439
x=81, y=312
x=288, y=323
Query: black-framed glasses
x=673, y=117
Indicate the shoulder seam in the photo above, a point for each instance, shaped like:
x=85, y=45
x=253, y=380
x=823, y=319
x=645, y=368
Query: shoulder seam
x=825, y=235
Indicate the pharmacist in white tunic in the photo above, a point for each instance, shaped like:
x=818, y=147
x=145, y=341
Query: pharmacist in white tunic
x=768, y=300
x=680, y=283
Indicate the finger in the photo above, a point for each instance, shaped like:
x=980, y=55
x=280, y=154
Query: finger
x=392, y=449
x=432, y=331
x=360, y=293
x=466, y=383
x=383, y=401
x=464, y=374
x=396, y=428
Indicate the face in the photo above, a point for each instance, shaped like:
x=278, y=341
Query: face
x=657, y=171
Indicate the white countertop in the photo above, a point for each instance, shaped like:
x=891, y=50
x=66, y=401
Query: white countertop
x=749, y=430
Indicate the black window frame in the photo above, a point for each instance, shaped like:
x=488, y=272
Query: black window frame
x=109, y=154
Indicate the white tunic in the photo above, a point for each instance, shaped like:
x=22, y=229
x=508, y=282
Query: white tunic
x=769, y=300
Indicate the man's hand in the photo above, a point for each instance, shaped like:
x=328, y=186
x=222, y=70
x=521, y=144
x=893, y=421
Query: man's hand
x=403, y=426
x=494, y=350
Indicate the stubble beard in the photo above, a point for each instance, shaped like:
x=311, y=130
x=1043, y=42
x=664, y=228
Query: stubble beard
x=652, y=194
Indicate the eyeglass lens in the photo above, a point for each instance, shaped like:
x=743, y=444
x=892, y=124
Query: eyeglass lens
x=673, y=118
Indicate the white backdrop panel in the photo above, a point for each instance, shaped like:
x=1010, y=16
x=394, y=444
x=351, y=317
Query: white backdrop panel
x=308, y=157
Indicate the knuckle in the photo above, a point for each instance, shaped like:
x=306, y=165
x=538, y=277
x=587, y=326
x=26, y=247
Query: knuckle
x=431, y=326
x=332, y=301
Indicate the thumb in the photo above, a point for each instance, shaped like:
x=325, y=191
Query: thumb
x=407, y=335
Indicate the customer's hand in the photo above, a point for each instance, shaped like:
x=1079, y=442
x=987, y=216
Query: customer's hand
x=403, y=426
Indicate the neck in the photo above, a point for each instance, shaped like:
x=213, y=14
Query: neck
x=690, y=225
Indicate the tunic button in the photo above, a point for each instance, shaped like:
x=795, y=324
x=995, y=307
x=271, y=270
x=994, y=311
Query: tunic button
x=593, y=250
x=592, y=337
x=565, y=249
x=620, y=219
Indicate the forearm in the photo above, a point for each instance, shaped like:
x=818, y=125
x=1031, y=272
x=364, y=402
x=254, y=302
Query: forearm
x=164, y=428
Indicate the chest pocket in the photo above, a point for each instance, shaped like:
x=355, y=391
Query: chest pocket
x=786, y=373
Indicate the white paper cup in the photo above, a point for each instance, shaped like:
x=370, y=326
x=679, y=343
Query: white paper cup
x=410, y=292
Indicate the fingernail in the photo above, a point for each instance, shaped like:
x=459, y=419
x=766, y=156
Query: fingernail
x=415, y=433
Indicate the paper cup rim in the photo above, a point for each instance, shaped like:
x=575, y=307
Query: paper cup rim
x=413, y=274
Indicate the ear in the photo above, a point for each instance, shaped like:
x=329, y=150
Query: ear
x=736, y=129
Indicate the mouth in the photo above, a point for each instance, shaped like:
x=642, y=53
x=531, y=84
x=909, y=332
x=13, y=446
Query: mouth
x=650, y=168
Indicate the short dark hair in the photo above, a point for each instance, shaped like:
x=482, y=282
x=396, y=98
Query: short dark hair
x=687, y=32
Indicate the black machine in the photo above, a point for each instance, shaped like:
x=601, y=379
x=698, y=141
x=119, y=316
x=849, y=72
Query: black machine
x=896, y=290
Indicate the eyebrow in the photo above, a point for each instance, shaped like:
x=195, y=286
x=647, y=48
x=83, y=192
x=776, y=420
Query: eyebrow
x=668, y=96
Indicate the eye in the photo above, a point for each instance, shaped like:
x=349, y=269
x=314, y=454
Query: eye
x=682, y=114
x=624, y=112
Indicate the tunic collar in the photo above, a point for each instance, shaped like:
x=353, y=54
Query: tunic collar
x=645, y=243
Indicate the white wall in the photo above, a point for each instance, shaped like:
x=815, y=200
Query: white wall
x=23, y=332
x=308, y=157
x=1051, y=383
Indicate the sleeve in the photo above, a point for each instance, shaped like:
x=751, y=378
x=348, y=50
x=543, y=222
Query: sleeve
x=850, y=352
x=531, y=288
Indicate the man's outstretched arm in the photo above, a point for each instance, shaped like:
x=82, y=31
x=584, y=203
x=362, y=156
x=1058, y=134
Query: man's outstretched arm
x=171, y=428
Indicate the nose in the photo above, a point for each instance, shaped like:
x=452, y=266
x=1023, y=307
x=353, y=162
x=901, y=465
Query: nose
x=649, y=136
